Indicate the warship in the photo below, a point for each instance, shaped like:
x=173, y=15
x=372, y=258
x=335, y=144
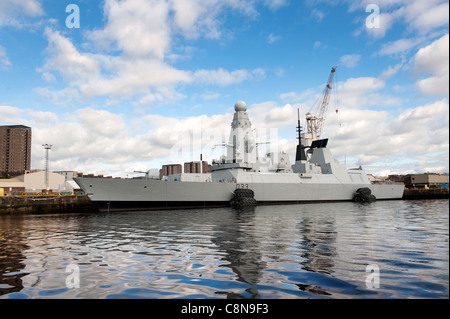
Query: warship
x=243, y=178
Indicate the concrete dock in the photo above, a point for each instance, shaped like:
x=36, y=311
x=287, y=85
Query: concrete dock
x=45, y=204
x=430, y=193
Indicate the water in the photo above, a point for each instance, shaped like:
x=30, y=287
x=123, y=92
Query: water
x=386, y=249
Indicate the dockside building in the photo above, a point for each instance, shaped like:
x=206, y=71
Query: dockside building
x=15, y=149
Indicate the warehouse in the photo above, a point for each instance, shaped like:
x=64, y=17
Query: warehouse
x=35, y=182
x=426, y=180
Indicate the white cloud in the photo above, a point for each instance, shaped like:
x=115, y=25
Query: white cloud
x=101, y=142
x=317, y=15
x=102, y=75
x=135, y=27
x=247, y=7
x=12, y=12
x=420, y=17
x=46, y=118
x=390, y=71
x=362, y=85
x=162, y=94
x=184, y=139
x=101, y=122
x=399, y=46
x=210, y=96
x=140, y=33
x=415, y=118
x=377, y=140
x=362, y=92
x=436, y=85
x=275, y=4
x=279, y=72
x=131, y=77
x=434, y=57
x=350, y=60
x=197, y=17
x=271, y=38
x=224, y=77
x=4, y=61
x=91, y=141
x=146, y=28
x=424, y=16
x=296, y=97
x=63, y=97
x=318, y=45
x=10, y=115
x=186, y=16
x=276, y=117
x=65, y=58
x=433, y=60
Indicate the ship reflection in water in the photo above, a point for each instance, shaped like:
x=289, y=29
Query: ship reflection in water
x=294, y=251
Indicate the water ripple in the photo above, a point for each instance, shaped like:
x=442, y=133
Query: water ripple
x=296, y=251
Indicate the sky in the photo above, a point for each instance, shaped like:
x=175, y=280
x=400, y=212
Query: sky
x=119, y=86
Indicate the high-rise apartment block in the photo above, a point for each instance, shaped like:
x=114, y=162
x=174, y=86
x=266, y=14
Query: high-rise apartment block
x=197, y=167
x=15, y=149
x=170, y=169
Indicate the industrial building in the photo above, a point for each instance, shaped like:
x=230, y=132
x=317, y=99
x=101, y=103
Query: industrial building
x=170, y=169
x=15, y=149
x=196, y=167
x=35, y=182
x=427, y=180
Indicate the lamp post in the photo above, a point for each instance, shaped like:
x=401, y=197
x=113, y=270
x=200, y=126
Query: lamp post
x=47, y=147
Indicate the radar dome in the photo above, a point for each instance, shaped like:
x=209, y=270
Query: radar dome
x=240, y=106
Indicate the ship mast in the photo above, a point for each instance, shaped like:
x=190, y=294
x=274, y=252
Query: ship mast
x=300, y=154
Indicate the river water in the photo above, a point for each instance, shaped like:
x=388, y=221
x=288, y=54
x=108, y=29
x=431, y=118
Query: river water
x=386, y=249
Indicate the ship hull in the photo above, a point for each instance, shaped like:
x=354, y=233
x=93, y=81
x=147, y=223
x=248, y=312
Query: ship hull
x=142, y=194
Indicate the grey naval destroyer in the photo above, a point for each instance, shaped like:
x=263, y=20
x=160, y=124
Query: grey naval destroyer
x=240, y=177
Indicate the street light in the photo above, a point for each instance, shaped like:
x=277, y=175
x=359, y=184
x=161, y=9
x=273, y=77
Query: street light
x=47, y=147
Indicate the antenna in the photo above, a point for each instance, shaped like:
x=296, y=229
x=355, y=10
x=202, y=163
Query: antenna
x=47, y=147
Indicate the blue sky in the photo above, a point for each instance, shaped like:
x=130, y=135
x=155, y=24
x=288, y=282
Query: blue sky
x=138, y=79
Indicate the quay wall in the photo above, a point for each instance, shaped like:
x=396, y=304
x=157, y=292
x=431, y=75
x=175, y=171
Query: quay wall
x=45, y=204
x=431, y=193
